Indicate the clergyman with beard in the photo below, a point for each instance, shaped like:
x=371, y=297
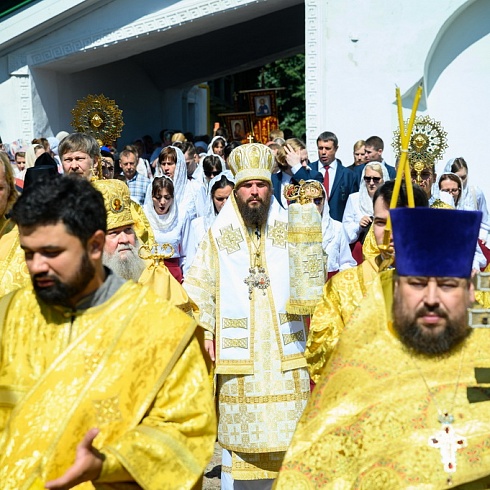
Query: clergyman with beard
x=121, y=244
x=403, y=402
x=93, y=369
x=121, y=248
x=240, y=281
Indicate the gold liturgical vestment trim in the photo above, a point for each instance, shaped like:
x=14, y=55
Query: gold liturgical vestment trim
x=114, y=380
x=370, y=417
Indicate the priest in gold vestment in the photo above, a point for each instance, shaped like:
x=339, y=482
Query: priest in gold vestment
x=122, y=252
x=403, y=402
x=102, y=383
x=240, y=282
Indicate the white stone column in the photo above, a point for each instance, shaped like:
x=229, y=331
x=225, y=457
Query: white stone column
x=20, y=113
x=315, y=68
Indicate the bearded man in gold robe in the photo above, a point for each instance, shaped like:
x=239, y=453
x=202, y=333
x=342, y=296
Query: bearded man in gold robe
x=102, y=383
x=240, y=280
x=403, y=401
x=122, y=248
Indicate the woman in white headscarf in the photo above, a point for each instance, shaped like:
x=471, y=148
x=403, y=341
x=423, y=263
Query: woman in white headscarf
x=334, y=240
x=449, y=188
x=198, y=187
x=171, y=163
x=167, y=209
x=358, y=214
x=217, y=146
x=472, y=197
x=220, y=188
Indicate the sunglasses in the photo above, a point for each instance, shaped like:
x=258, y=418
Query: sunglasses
x=374, y=179
x=423, y=176
x=211, y=174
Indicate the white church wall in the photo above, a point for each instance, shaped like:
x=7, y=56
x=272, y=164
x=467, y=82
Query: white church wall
x=45, y=102
x=460, y=100
x=458, y=77
x=359, y=52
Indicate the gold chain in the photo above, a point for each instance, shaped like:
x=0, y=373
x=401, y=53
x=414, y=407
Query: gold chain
x=443, y=416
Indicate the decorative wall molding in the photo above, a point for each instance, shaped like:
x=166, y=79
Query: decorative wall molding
x=315, y=53
x=51, y=53
x=169, y=18
x=23, y=89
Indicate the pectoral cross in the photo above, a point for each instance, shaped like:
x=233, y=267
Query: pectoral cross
x=257, y=279
x=448, y=442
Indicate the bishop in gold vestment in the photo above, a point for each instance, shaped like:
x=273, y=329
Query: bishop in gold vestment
x=263, y=384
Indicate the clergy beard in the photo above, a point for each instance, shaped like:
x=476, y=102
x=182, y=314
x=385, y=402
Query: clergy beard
x=413, y=335
x=61, y=293
x=128, y=266
x=254, y=216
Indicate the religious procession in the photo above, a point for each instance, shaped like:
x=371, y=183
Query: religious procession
x=222, y=310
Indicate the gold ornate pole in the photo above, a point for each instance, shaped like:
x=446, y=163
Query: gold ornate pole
x=403, y=167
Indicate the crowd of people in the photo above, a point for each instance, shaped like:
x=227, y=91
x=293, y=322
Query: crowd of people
x=145, y=311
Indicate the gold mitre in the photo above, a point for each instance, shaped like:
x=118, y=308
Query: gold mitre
x=117, y=202
x=427, y=145
x=98, y=116
x=252, y=161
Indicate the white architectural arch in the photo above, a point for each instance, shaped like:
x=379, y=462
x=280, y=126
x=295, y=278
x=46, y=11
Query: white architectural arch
x=461, y=30
x=145, y=55
x=457, y=77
